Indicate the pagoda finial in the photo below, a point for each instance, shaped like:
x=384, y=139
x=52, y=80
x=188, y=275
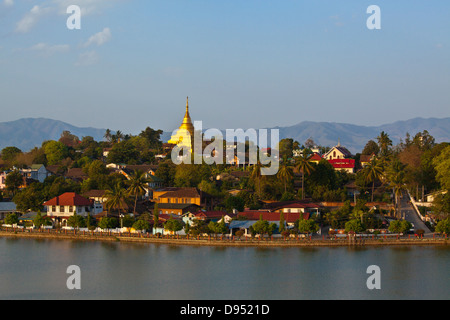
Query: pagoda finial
x=187, y=103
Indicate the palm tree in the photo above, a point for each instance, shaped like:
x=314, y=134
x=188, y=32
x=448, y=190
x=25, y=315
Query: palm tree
x=331, y=218
x=285, y=173
x=373, y=171
x=384, y=142
x=116, y=198
x=138, y=185
x=257, y=176
x=108, y=135
x=396, y=178
x=117, y=137
x=304, y=166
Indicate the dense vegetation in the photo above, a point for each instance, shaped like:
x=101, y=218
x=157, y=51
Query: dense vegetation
x=417, y=164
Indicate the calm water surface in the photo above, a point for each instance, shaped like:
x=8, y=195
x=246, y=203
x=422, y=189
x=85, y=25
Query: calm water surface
x=36, y=269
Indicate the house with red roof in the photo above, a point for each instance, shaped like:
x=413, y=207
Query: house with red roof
x=340, y=158
x=347, y=165
x=209, y=215
x=315, y=158
x=68, y=204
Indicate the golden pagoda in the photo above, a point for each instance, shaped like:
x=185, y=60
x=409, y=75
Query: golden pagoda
x=184, y=135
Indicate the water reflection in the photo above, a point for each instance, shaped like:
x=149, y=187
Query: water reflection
x=32, y=269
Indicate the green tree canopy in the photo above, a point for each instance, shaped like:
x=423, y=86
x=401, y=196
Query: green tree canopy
x=76, y=221
x=153, y=137
x=31, y=198
x=442, y=166
x=10, y=153
x=13, y=181
x=263, y=227
x=108, y=223
x=307, y=226
x=371, y=147
x=443, y=226
x=285, y=148
x=55, y=151
x=12, y=219
x=173, y=225
x=354, y=225
x=217, y=227
x=399, y=226
x=234, y=202
x=141, y=225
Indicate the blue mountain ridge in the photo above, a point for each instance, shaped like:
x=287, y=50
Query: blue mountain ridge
x=28, y=133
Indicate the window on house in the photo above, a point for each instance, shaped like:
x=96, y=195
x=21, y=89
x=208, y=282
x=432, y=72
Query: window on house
x=53, y=208
x=70, y=209
x=61, y=208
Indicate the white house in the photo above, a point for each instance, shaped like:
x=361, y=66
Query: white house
x=36, y=172
x=68, y=204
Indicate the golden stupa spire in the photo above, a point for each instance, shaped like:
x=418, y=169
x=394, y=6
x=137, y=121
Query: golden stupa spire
x=187, y=122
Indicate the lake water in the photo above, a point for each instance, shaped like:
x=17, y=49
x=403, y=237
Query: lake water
x=37, y=269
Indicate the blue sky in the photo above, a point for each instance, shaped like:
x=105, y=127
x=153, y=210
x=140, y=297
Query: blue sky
x=243, y=63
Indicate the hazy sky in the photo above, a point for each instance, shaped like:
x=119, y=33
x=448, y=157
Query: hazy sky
x=243, y=63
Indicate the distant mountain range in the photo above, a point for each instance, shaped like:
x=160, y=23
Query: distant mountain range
x=355, y=137
x=28, y=133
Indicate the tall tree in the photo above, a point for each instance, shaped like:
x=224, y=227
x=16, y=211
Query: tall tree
x=304, y=166
x=371, y=147
x=396, y=178
x=442, y=166
x=257, y=176
x=10, y=153
x=153, y=137
x=138, y=185
x=285, y=173
x=373, y=171
x=55, y=151
x=117, y=198
x=108, y=135
x=384, y=142
x=13, y=181
x=285, y=148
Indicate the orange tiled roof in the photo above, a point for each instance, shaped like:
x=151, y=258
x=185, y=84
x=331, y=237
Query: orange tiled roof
x=68, y=199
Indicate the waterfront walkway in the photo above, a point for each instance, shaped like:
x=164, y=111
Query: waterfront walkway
x=336, y=240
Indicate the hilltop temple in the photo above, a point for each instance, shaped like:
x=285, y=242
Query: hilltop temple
x=184, y=135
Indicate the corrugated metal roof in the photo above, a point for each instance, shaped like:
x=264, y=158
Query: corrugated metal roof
x=245, y=224
x=7, y=206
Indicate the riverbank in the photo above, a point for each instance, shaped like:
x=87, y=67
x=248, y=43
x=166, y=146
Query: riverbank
x=211, y=241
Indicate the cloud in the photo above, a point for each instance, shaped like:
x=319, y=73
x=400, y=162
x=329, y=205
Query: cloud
x=8, y=3
x=31, y=18
x=99, y=39
x=87, y=7
x=49, y=50
x=337, y=20
x=58, y=7
x=87, y=58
